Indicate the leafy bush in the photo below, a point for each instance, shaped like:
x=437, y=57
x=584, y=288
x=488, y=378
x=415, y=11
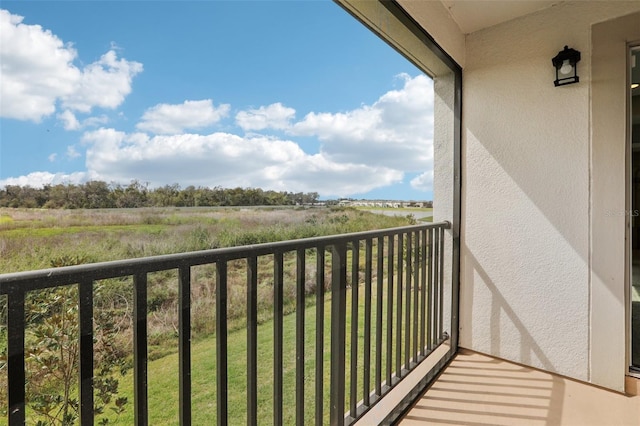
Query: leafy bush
x=52, y=355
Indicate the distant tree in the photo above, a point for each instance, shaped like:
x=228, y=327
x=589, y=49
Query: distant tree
x=18, y=196
x=165, y=196
x=310, y=198
x=43, y=195
x=99, y=194
x=206, y=197
x=58, y=197
x=134, y=195
x=187, y=197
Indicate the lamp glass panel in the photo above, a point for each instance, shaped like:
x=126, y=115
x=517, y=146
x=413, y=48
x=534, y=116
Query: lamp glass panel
x=566, y=68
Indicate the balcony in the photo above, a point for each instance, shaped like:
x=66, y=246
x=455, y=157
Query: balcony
x=477, y=389
x=374, y=334
x=544, y=258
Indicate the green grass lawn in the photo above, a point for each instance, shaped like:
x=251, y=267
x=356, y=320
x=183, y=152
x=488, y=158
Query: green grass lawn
x=164, y=376
x=163, y=373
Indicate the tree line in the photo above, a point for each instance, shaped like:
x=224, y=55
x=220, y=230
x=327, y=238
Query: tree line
x=103, y=195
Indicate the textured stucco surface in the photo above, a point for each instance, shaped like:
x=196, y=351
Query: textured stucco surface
x=443, y=134
x=609, y=124
x=434, y=16
x=525, y=251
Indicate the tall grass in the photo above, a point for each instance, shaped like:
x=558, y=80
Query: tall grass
x=35, y=239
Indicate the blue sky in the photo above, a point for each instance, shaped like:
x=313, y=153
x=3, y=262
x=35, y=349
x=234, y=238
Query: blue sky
x=284, y=95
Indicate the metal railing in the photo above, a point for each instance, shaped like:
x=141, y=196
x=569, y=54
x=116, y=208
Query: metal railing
x=393, y=279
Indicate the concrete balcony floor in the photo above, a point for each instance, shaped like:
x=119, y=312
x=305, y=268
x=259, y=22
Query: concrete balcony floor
x=479, y=390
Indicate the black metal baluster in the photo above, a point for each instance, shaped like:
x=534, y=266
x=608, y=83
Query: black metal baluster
x=355, y=282
x=436, y=286
x=379, y=300
x=85, y=308
x=423, y=285
x=366, y=383
x=441, y=299
x=15, y=351
x=416, y=293
x=390, y=264
x=221, y=343
x=320, y=258
x=300, y=307
x=278, y=337
x=407, y=315
x=338, y=335
x=184, y=344
x=252, y=340
x=399, y=307
x=141, y=403
x=430, y=313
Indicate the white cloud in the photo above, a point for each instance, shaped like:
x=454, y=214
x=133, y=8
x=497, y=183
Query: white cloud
x=36, y=69
x=190, y=115
x=423, y=182
x=274, y=116
x=370, y=147
x=38, y=72
x=52, y=157
x=104, y=83
x=69, y=120
x=95, y=121
x=227, y=160
x=72, y=153
x=40, y=179
x=396, y=131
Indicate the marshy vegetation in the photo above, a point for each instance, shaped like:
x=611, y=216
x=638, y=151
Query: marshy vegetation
x=35, y=239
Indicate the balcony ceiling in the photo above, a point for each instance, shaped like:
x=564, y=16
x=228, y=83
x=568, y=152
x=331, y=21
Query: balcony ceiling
x=474, y=15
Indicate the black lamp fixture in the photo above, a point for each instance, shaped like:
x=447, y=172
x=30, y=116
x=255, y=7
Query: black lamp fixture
x=566, y=66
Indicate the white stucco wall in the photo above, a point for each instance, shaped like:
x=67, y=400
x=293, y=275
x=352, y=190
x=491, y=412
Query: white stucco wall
x=609, y=85
x=443, y=177
x=526, y=205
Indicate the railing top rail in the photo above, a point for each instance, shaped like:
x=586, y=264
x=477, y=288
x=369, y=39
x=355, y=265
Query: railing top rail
x=54, y=277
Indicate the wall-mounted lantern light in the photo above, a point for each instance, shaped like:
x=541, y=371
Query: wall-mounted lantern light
x=566, y=66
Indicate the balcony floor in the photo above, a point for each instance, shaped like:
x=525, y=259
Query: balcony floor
x=478, y=390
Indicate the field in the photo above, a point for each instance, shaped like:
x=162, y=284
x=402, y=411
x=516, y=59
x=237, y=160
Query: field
x=35, y=239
